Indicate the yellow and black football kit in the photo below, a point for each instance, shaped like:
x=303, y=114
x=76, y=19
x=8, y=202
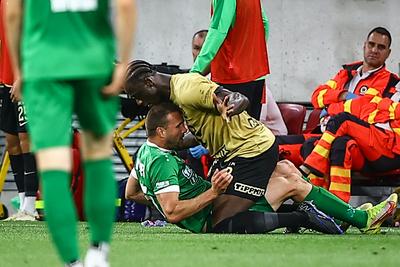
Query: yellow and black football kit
x=242, y=139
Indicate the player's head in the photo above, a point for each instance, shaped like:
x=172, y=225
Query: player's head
x=140, y=82
x=165, y=124
x=197, y=42
x=377, y=47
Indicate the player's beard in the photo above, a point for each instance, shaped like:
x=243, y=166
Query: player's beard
x=174, y=143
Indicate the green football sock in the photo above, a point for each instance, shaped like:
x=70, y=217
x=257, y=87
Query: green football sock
x=261, y=205
x=60, y=213
x=337, y=208
x=100, y=194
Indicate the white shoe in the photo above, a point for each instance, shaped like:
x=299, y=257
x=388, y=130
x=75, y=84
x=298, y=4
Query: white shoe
x=26, y=216
x=97, y=256
x=14, y=216
x=75, y=264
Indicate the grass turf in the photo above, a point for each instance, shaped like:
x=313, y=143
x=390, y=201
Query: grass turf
x=28, y=244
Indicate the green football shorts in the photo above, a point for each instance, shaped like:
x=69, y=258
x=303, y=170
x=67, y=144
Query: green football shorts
x=51, y=103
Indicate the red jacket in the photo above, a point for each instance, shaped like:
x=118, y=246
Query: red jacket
x=243, y=55
x=381, y=80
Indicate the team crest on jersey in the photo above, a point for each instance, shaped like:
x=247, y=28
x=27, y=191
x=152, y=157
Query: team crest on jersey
x=189, y=174
x=248, y=189
x=363, y=90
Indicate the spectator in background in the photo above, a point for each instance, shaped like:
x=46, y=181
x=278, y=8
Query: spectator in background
x=13, y=123
x=75, y=74
x=197, y=43
x=235, y=49
x=349, y=84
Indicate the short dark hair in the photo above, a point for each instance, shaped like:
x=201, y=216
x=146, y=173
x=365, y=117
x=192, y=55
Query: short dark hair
x=382, y=31
x=157, y=116
x=201, y=33
x=137, y=70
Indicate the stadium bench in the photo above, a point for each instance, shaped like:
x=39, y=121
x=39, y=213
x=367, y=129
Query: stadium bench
x=293, y=115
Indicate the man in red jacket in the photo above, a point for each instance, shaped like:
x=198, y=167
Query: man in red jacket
x=338, y=95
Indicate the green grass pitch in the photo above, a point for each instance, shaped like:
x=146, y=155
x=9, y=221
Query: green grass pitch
x=28, y=244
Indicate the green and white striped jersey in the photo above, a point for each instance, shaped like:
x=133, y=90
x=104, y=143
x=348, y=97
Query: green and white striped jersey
x=160, y=171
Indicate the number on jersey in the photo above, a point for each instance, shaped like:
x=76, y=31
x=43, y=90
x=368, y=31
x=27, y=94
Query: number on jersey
x=73, y=5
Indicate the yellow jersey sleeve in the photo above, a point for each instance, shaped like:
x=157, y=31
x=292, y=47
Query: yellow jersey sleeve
x=193, y=90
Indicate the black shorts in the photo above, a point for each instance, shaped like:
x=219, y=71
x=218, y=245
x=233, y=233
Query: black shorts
x=12, y=115
x=250, y=175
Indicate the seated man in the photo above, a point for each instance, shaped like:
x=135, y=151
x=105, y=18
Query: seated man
x=372, y=122
x=184, y=198
x=350, y=82
x=216, y=118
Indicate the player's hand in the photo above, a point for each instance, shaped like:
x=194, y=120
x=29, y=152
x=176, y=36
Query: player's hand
x=222, y=106
x=220, y=181
x=236, y=103
x=116, y=85
x=232, y=104
x=198, y=151
x=15, y=92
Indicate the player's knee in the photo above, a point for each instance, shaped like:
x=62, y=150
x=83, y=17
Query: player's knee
x=284, y=168
x=12, y=144
x=24, y=142
x=54, y=158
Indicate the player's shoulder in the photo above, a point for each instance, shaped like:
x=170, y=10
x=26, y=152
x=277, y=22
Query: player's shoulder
x=160, y=155
x=190, y=78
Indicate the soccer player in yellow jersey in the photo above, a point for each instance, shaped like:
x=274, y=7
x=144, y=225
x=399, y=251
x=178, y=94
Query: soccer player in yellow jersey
x=216, y=118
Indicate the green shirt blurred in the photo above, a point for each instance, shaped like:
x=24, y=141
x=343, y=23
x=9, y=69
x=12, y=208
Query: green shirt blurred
x=67, y=39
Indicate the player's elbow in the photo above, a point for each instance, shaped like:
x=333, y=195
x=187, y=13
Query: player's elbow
x=172, y=216
x=131, y=195
x=173, y=219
